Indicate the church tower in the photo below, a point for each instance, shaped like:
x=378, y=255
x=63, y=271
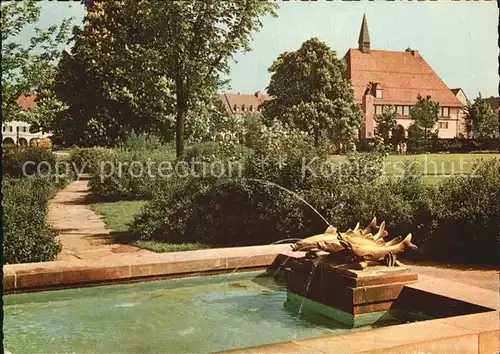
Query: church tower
x=364, y=37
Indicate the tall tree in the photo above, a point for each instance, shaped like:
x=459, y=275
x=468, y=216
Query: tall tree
x=386, y=122
x=425, y=114
x=311, y=91
x=165, y=55
x=27, y=68
x=480, y=119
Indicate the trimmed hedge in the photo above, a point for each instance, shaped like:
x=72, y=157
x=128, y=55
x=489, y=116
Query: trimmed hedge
x=118, y=176
x=464, y=218
x=85, y=160
x=23, y=162
x=455, y=145
x=27, y=237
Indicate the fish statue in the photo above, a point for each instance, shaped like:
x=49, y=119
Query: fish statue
x=311, y=243
x=364, y=247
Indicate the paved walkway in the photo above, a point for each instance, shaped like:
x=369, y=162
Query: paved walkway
x=81, y=231
x=484, y=278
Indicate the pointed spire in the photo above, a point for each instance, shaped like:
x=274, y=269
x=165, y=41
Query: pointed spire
x=364, y=37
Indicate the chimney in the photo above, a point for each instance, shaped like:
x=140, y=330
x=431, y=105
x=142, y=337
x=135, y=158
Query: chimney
x=257, y=94
x=364, y=37
x=413, y=52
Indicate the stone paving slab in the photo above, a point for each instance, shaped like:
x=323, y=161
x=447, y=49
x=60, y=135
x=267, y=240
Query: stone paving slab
x=459, y=291
x=82, y=232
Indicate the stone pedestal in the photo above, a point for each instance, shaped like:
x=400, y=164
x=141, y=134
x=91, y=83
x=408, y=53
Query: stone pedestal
x=357, y=297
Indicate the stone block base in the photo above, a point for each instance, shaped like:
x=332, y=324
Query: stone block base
x=351, y=293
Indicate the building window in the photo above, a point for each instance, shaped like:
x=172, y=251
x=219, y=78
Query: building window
x=378, y=92
x=406, y=110
x=10, y=129
x=378, y=109
x=399, y=110
x=4, y=128
x=443, y=125
x=445, y=111
x=25, y=129
x=251, y=108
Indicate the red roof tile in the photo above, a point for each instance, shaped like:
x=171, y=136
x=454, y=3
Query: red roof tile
x=26, y=102
x=402, y=76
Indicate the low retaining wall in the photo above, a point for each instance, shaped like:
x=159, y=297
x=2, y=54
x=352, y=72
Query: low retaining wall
x=125, y=268
x=477, y=333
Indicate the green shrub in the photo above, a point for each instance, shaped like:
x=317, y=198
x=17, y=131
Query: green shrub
x=286, y=157
x=22, y=162
x=226, y=213
x=27, y=238
x=401, y=202
x=130, y=174
x=253, y=129
x=215, y=151
x=135, y=141
x=464, y=218
x=86, y=160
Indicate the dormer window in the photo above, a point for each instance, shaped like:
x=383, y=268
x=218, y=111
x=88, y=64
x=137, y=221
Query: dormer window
x=251, y=108
x=378, y=91
x=235, y=108
x=243, y=108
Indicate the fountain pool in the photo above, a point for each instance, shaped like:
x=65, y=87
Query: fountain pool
x=199, y=314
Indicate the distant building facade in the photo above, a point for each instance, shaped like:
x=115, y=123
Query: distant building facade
x=382, y=78
x=460, y=95
x=240, y=104
x=18, y=132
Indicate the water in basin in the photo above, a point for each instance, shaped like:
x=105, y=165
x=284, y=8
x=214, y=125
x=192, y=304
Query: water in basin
x=202, y=314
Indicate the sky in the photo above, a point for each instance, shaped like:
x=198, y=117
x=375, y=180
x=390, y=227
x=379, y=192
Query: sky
x=457, y=38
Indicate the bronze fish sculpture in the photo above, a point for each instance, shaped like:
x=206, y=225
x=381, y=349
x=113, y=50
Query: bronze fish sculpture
x=361, y=245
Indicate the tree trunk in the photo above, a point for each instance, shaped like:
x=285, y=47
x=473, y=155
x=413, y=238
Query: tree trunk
x=182, y=109
x=316, y=137
x=179, y=131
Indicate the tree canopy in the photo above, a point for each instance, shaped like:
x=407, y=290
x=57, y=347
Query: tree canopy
x=311, y=91
x=27, y=68
x=386, y=122
x=480, y=119
x=145, y=64
x=425, y=114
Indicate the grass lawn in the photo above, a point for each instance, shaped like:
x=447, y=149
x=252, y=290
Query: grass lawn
x=434, y=167
x=117, y=215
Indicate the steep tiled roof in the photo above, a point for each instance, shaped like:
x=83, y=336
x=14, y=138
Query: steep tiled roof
x=232, y=100
x=494, y=102
x=26, y=102
x=402, y=76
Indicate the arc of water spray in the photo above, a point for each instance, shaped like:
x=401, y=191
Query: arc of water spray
x=291, y=193
x=269, y=183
